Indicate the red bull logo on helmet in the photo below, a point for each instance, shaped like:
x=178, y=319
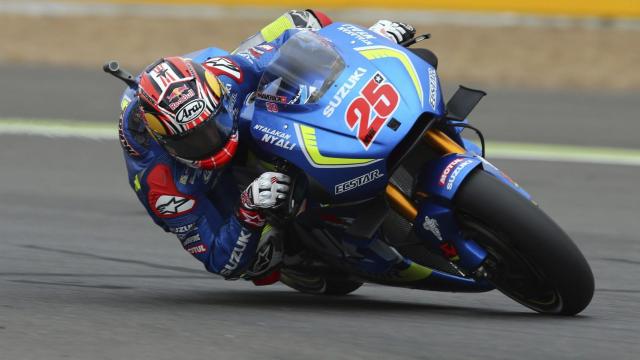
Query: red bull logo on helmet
x=179, y=96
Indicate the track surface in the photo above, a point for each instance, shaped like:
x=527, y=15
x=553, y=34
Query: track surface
x=84, y=274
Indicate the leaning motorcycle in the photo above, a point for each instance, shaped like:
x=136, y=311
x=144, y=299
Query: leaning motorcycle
x=361, y=123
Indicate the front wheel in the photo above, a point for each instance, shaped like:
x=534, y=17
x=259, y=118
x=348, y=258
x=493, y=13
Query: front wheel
x=530, y=258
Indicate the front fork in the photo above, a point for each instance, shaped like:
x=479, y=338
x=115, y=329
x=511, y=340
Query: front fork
x=435, y=221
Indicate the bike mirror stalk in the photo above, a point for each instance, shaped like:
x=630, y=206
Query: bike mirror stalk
x=113, y=67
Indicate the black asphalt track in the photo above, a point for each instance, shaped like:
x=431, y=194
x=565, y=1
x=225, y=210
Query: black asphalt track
x=84, y=274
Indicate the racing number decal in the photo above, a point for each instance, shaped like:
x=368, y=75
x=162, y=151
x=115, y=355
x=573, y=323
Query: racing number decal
x=370, y=111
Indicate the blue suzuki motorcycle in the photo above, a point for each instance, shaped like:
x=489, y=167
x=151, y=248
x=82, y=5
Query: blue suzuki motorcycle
x=362, y=127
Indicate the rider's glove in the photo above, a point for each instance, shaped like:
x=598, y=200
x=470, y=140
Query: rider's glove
x=266, y=192
x=395, y=31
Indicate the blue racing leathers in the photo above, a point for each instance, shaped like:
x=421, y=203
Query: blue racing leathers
x=201, y=207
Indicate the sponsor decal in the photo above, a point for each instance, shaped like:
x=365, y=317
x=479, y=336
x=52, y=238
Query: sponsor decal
x=302, y=88
x=173, y=205
x=179, y=96
x=275, y=137
x=456, y=172
x=272, y=107
x=265, y=47
x=222, y=66
x=344, y=90
x=257, y=51
x=368, y=113
x=190, y=111
x=197, y=250
x=433, y=88
x=447, y=171
x=236, y=254
x=190, y=240
x=163, y=197
x=359, y=34
x=272, y=98
x=250, y=217
x=432, y=226
x=270, y=139
x=357, y=182
x=263, y=258
x=182, y=229
x=175, y=93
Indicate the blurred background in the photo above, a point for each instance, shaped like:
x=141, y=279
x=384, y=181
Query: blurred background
x=85, y=274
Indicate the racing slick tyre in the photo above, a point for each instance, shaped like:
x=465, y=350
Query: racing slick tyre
x=318, y=285
x=531, y=259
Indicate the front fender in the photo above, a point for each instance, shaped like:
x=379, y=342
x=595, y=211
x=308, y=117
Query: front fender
x=443, y=177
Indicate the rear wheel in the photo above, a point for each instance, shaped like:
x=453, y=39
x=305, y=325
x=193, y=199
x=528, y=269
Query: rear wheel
x=531, y=259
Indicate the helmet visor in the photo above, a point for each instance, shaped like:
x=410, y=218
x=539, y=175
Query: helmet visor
x=198, y=143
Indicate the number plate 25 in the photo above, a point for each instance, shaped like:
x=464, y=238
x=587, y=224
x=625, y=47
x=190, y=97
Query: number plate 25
x=368, y=113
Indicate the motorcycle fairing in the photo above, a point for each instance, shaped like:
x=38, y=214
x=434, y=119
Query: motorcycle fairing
x=319, y=141
x=405, y=273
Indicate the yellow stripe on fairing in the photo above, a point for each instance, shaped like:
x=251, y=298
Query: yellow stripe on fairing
x=382, y=52
x=415, y=272
x=276, y=28
x=311, y=150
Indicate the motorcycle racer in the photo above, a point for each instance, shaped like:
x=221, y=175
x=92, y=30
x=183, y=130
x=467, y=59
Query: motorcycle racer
x=181, y=138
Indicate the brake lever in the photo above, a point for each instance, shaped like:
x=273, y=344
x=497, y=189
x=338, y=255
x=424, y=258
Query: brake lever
x=415, y=40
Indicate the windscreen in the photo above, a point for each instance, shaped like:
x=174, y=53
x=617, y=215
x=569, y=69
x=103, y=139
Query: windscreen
x=302, y=71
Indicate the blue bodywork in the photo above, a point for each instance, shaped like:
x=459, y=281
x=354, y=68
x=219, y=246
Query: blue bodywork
x=308, y=130
x=306, y=134
x=319, y=139
x=320, y=142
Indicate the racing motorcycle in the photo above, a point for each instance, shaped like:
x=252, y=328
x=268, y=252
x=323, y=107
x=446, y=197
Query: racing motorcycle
x=359, y=122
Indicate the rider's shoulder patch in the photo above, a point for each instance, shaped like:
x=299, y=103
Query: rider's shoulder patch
x=165, y=200
x=224, y=66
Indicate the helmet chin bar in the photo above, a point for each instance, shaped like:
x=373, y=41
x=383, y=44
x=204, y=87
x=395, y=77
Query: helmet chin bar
x=219, y=159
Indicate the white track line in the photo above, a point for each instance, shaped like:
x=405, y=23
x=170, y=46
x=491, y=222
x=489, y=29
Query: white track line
x=495, y=150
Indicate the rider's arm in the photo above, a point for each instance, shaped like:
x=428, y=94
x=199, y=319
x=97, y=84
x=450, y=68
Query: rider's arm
x=178, y=199
x=209, y=225
x=293, y=19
